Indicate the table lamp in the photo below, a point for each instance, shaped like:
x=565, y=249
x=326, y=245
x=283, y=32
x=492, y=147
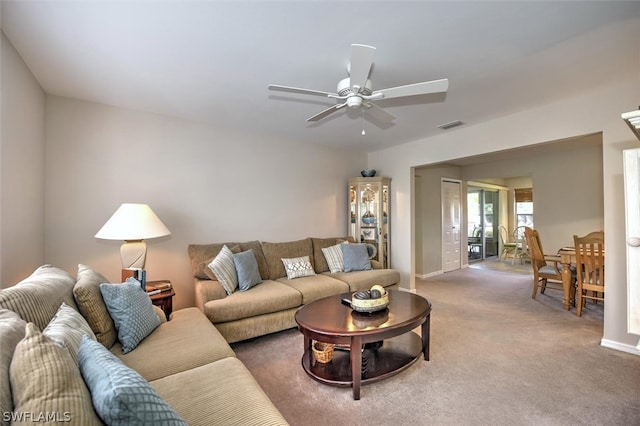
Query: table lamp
x=133, y=223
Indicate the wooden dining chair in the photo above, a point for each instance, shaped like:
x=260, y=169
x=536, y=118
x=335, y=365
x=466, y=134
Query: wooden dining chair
x=546, y=268
x=589, y=268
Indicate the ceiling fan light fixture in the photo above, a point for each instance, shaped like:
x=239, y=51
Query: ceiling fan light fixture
x=450, y=124
x=632, y=119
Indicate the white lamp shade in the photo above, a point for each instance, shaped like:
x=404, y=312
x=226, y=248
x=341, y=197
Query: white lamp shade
x=133, y=222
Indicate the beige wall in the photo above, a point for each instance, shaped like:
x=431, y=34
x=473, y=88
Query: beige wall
x=22, y=154
x=593, y=112
x=206, y=184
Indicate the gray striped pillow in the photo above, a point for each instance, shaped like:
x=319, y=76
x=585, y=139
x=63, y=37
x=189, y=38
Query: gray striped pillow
x=67, y=328
x=225, y=269
x=334, y=257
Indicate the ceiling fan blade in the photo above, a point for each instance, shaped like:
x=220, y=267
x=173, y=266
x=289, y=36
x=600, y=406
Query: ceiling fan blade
x=302, y=91
x=360, y=65
x=319, y=116
x=435, y=86
x=378, y=113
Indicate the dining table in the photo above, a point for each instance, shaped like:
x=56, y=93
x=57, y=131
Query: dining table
x=567, y=259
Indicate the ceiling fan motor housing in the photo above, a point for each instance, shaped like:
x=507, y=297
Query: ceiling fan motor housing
x=344, y=89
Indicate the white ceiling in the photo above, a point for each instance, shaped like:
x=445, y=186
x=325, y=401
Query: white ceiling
x=213, y=60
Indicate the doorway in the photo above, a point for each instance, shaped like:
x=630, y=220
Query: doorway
x=482, y=223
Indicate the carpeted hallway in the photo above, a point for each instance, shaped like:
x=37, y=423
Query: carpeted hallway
x=498, y=357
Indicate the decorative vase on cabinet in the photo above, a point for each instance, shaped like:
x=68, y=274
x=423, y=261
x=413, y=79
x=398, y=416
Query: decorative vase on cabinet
x=369, y=216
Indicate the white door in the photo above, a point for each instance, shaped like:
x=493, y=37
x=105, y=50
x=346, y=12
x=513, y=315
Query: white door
x=451, y=211
x=632, y=202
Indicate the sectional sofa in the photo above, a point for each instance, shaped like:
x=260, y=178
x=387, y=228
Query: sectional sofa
x=270, y=306
x=183, y=372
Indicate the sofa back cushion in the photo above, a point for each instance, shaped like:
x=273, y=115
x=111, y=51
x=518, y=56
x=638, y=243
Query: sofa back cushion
x=202, y=254
x=37, y=298
x=319, y=260
x=275, y=252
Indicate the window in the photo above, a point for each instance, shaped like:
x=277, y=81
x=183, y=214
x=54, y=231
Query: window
x=524, y=207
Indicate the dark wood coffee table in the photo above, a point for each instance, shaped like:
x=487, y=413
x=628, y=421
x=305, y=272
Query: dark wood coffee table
x=384, y=341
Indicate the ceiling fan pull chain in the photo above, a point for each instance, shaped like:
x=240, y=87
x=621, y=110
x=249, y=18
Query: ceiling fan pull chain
x=362, y=121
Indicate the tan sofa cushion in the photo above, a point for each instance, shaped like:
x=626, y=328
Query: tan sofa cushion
x=221, y=393
x=364, y=280
x=91, y=305
x=189, y=340
x=45, y=379
x=268, y=296
x=12, y=329
x=202, y=254
x=319, y=261
x=316, y=287
x=275, y=252
x=37, y=298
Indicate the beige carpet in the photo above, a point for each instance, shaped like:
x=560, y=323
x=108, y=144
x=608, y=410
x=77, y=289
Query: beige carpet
x=498, y=357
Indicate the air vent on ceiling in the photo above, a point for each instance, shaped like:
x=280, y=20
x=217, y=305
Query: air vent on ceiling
x=632, y=119
x=451, y=124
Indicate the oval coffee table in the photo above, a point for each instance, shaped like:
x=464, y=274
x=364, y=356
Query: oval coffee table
x=384, y=340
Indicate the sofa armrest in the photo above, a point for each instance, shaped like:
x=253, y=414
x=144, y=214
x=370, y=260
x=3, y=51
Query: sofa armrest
x=206, y=290
x=376, y=264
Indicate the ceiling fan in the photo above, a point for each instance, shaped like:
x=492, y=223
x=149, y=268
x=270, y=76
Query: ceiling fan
x=356, y=91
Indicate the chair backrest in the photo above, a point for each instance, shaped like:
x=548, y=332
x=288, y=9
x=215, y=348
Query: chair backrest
x=535, y=247
x=504, y=235
x=590, y=260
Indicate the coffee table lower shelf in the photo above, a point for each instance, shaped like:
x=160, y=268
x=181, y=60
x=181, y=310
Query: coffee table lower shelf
x=395, y=354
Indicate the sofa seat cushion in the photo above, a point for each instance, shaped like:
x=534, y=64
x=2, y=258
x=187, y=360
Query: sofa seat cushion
x=37, y=298
x=275, y=252
x=220, y=393
x=364, y=280
x=267, y=297
x=187, y=341
x=316, y=287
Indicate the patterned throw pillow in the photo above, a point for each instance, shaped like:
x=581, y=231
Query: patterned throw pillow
x=224, y=268
x=131, y=310
x=334, y=257
x=46, y=381
x=67, y=328
x=120, y=395
x=356, y=257
x=298, y=267
x=247, y=269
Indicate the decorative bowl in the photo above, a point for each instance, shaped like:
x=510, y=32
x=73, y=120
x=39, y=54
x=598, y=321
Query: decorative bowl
x=368, y=219
x=368, y=172
x=370, y=305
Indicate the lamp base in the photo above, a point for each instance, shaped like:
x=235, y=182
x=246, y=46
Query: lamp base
x=133, y=254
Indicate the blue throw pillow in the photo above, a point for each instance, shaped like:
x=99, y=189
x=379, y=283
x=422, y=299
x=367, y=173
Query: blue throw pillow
x=131, y=310
x=247, y=270
x=356, y=257
x=120, y=395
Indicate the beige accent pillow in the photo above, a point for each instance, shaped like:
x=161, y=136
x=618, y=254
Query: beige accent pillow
x=207, y=269
x=92, y=307
x=11, y=332
x=46, y=382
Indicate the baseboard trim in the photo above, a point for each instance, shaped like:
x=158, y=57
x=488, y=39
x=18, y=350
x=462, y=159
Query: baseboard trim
x=634, y=350
x=430, y=274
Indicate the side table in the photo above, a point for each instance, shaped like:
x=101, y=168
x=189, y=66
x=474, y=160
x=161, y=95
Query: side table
x=163, y=300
